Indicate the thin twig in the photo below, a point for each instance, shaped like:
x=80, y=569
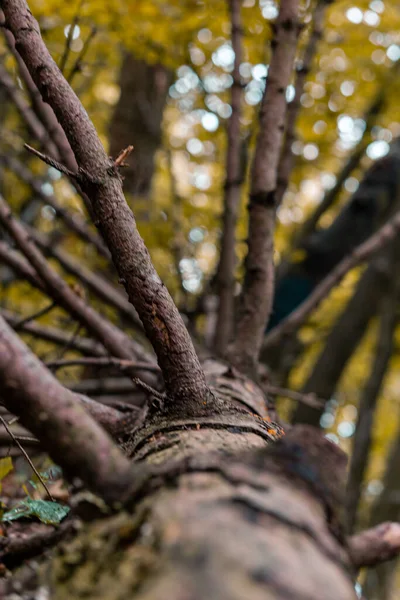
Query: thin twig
x=123, y=365
x=70, y=342
x=119, y=161
x=34, y=469
x=52, y=162
x=308, y=399
x=78, y=63
x=36, y=315
x=71, y=30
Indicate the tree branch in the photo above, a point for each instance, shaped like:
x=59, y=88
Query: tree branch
x=363, y=252
x=183, y=376
x=51, y=412
x=84, y=345
x=257, y=295
x=287, y=158
x=74, y=222
x=116, y=342
x=227, y=261
x=99, y=286
x=374, y=546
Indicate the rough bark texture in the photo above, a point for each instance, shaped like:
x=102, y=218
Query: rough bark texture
x=257, y=296
x=226, y=526
x=100, y=179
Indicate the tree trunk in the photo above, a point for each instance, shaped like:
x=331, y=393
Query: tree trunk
x=216, y=514
x=137, y=120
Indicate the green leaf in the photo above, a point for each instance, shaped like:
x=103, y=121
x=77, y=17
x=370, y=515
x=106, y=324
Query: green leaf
x=50, y=513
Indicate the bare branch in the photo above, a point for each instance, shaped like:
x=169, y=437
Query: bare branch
x=56, y=336
x=287, y=158
x=374, y=546
x=307, y=399
x=74, y=222
x=20, y=266
x=51, y=412
x=99, y=286
x=232, y=189
x=67, y=48
x=162, y=322
x=257, y=295
x=363, y=252
x=106, y=361
x=39, y=313
x=77, y=66
x=113, y=339
x=34, y=125
x=18, y=443
x=347, y=333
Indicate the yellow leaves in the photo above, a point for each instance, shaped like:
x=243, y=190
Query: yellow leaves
x=6, y=465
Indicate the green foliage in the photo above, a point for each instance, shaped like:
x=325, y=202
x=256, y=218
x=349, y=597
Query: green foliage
x=50, y=513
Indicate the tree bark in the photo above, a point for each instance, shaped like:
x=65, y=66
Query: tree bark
x=217, y=526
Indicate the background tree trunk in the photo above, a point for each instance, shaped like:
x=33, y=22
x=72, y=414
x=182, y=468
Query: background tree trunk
x=137, y=120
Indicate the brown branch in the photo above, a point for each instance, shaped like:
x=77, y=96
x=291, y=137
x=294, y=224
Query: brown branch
x=42, y=110
x=257, y=294
x=227, y=262
x=286, y=162
x=363, y=252
x=375, y=546
x=52, y=162
x=99, y=286
x=20, y=266
x=27, y=457
x=67, y=48
x=116, y=342
x=56, y=336
x=106, y=361
x=74, y=222
x=347, y=333
x=77, y=66
x=72, y=438
x=183, y=376
x=39, y=313
x=307, y=399
x=366, y=411
x=55, y=142
x=34, y=125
